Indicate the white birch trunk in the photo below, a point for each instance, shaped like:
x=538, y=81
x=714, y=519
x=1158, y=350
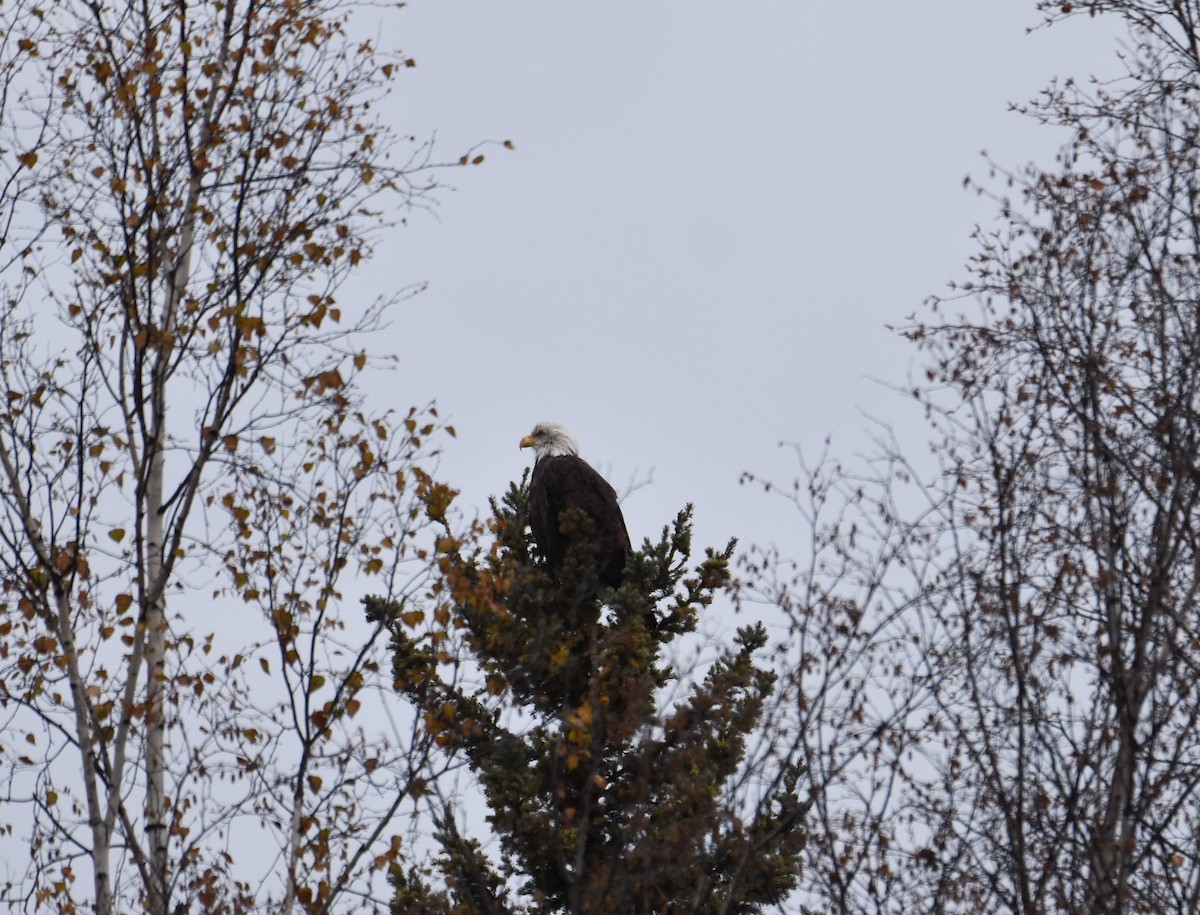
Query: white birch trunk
x=157, y=812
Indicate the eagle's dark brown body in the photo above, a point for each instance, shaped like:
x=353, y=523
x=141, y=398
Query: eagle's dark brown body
x=563, y=480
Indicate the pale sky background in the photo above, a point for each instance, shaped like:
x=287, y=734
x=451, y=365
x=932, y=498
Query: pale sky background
x=712, y=212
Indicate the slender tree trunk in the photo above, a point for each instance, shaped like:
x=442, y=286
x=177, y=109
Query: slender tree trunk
x=101, y=834
x=155, y=640
x=157, y=565
x=156, y=801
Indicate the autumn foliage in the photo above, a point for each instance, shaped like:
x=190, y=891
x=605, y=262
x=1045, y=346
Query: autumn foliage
x=187, y=465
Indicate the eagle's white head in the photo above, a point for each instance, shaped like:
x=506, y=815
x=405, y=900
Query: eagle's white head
x=550, y=440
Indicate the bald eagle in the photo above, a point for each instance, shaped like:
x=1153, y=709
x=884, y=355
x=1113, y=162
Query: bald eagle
x=562, y=480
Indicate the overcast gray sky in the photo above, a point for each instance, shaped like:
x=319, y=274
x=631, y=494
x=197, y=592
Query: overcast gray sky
x=712, y=211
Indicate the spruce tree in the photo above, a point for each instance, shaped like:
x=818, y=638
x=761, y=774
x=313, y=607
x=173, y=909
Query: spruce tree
x=610, y=777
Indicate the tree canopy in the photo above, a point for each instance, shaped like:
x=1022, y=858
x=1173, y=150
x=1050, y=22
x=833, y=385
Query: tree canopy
x=615, y=781
x=184, y=189
x=1000, y=653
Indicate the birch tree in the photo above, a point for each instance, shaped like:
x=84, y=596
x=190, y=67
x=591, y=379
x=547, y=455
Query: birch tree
x=187, y=465
x=1000, y=662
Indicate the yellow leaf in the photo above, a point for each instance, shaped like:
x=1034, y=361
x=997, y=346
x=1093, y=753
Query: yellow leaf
x=45, y=644
x=412, y=618
x=331, y=379
x=117, y=534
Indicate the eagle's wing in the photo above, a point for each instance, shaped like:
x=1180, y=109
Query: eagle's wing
x=567, y=481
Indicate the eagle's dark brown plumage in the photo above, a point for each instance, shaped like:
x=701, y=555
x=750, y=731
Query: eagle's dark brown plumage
x=562, y=480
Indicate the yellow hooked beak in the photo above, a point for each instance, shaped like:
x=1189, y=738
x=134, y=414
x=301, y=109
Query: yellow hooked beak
x=528, y=442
